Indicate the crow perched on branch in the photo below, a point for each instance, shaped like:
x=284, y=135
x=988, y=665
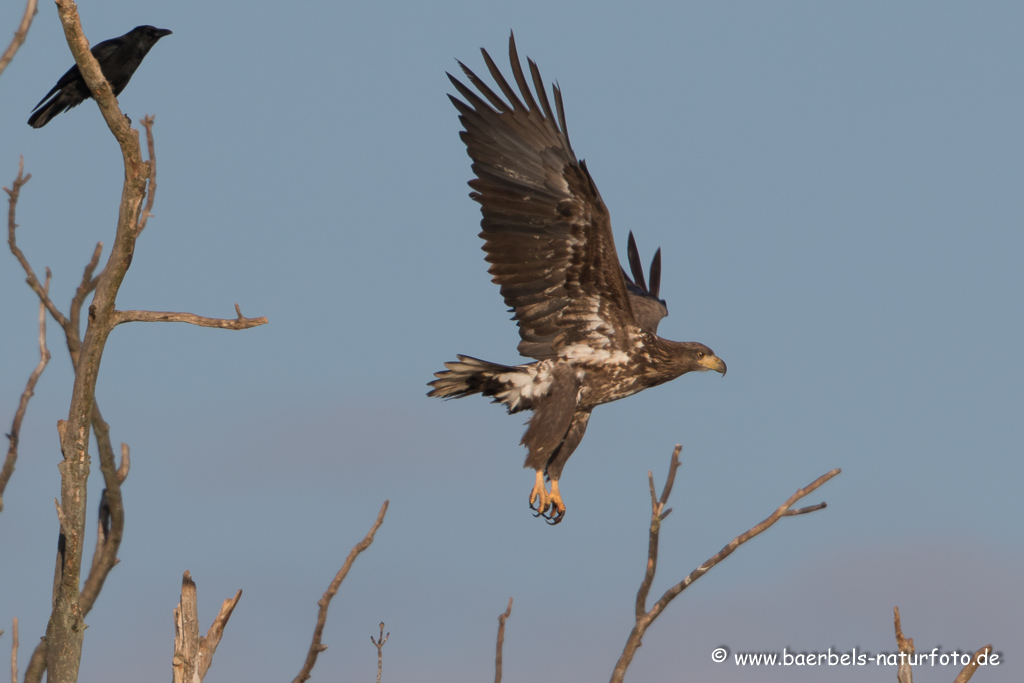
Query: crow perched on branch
x=118, y=57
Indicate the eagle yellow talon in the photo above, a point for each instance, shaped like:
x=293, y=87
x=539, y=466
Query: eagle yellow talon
x=548, y=505
x=540, y=495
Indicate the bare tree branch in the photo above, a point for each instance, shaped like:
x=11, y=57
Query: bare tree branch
x=66, y=628
x=72, y=327
x=147, y=122
x=111, y=518
x=904, y=674
x=186, y=633
x=126, y=462
x=118, y=123
x=239, y=323
x=44, y=357
x=193, y=655
x=13, y=650
x=379, y=644
x=19, y=38
x=13, y=193
x=36, y=663
x=70, y=324
x=208, y=643
x=658, y=514
x=968, y=671
x=906, y=648
x=111, y=507
x=805, y=510
x=645, y=617
x=109, y=540
x=316, y=647
x=501, y=641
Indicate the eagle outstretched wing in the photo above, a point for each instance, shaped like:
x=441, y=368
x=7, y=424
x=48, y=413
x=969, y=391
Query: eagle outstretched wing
x=547, y=232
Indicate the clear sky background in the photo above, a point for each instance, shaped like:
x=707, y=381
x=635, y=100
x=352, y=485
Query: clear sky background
x=837, y=191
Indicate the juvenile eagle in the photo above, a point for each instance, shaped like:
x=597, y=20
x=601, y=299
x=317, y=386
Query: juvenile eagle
x=548, y=238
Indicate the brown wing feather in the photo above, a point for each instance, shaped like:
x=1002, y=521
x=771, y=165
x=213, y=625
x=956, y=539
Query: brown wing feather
x=547, y=232
x=648, y=308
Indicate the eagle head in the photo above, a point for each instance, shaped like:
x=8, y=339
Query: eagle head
x=698, y=357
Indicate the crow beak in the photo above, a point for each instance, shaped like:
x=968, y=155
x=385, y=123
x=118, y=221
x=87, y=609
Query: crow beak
x=713, y=363
x=161, y=32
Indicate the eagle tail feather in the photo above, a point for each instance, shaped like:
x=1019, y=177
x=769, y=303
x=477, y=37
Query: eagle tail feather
x=469, y=375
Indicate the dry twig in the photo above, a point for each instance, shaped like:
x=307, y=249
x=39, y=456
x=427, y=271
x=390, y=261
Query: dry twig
x=968, y=671
x=19, y=37
x=239, y=323
x=316, y=647
x=645, y=617
x=208, y=643
x=14, y=650
x=13, y=437
x=118, y=123
x=194, y=655
x=379, y=644
x=147, y=211
x=111, y=517
x=904, y=674
x=906, y=648
x=501, y=641
x=13, y=193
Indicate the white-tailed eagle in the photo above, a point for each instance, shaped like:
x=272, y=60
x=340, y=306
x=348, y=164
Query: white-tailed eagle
x=548, y=238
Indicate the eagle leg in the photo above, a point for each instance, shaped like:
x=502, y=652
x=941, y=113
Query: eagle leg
x=557, y=506
x=549, y=504
x=539, y=494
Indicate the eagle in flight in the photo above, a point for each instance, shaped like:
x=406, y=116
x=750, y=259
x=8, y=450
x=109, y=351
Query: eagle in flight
x=548, y=238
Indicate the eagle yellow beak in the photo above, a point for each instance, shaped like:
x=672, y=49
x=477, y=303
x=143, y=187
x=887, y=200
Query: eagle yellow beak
x=713, y=363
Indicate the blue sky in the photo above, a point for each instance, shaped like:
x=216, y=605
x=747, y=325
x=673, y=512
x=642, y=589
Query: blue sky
x=836, y=189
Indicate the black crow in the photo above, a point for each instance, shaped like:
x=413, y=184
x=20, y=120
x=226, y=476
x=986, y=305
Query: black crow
x=118, y=57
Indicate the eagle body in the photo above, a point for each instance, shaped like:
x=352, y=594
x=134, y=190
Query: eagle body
x=591, y=329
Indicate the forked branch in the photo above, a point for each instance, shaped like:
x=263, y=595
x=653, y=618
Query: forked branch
x=194, y=655
x=316, y=647
x=904, y=673
x=238, y=323
x=378, y=642
x=13, y=193
x=645, y=617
